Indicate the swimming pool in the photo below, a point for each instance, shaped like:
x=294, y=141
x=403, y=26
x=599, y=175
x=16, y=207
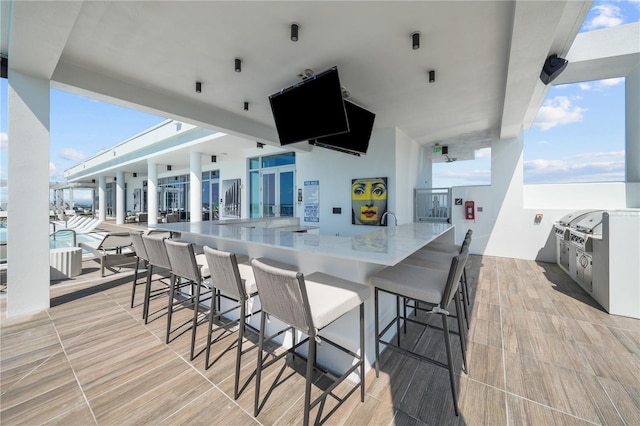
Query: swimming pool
x=62, y=240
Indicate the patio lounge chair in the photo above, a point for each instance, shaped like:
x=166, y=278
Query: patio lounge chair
x=115, y=249
x=88, y=227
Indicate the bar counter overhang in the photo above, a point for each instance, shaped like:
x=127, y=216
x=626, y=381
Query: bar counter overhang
x=354, y=258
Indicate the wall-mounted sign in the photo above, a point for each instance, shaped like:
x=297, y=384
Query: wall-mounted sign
x=311, y=201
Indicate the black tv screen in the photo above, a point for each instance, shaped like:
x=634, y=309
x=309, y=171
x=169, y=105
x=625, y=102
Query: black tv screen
x=311, y=109
x=356, y=140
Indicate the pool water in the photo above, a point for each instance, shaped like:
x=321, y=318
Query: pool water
x=61, y=240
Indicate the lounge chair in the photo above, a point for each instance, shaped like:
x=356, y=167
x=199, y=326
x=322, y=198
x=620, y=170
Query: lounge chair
x=115, y=249
x=89, y=227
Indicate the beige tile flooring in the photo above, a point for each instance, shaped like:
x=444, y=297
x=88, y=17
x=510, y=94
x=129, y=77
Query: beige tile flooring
x=540, y=352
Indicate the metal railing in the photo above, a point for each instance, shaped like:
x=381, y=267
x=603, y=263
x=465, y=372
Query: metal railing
x=61, y=232
x=432, y=205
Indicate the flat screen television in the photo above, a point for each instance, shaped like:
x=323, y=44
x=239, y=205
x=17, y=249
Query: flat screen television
x=356, y=140
x=310, y=109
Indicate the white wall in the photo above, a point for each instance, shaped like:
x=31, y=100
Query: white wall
x=506, y=227
x=335, y=170
x=407, y=178
x=134, y=183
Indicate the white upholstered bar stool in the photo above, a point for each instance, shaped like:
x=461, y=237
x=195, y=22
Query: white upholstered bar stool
x=184, y=266
x=234, y=282
x=442, y=261
x=157, y=258
x=430, y=287
x=307, y=304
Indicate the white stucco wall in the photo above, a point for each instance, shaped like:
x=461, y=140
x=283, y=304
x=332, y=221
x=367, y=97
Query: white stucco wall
x=335, y=170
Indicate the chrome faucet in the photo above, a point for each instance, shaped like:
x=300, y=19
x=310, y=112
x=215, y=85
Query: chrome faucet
x=384, y=216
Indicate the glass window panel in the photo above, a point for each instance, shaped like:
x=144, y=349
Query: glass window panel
x=279, y=159
x=254, y=195
x=254, y=163
x=268, y=195
x=286, y=194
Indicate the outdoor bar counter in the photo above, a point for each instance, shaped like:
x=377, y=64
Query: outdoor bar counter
x=353, y=258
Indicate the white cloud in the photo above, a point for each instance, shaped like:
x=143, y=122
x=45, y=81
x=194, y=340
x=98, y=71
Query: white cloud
x=612, y=81
x=600, y=84
x=556, y=112
x=4, y=141
x=586, y=167
x=607, y=15
x=544, y=143
x=52, y=167
x=483, y=153
x=593, y=155
x=72, y=154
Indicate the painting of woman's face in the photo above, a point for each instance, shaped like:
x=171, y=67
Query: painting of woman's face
x=368, y=200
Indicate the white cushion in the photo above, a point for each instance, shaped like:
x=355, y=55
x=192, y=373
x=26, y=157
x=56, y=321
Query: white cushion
x=430, y=259
x=202, y=264
x=412, y=281
x=442, y=247
x=331, y=297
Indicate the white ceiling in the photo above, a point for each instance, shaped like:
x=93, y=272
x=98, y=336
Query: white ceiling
x=148, y=55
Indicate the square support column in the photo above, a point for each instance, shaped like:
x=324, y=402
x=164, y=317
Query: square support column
x=102, y=198
x=195, y=185
x=152, y=192
x=120, y=207
x=28, y=195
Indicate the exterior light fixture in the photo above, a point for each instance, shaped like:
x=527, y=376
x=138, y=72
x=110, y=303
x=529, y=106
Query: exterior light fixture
x=294, y=32
x=432, y=76
x=238, y=66
x=214, y=159
x=415, y=40
x=259, y=145
x=246, y=106
x=198, y=87
x=135, y=175
x=168, y=168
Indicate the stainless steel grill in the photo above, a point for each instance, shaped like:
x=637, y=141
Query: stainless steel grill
x=562, y=230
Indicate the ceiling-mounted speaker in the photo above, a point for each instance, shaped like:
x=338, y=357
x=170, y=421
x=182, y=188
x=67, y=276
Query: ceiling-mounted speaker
x=552, y=68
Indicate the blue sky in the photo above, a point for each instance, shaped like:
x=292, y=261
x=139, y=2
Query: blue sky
x=578, y=135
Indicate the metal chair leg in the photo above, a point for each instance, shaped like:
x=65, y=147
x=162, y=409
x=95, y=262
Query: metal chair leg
x=452, y=379
x=263, y=317
x=239, y=353
x=309, y=377
x=196, y=309
x=147, y=295
x=170, y=306
x=135, y=282
x=377, y=331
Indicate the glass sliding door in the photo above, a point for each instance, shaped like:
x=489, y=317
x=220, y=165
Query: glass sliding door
x=277, y=193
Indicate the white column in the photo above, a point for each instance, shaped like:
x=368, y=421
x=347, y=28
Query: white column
x=425, y=173
x=195, y=185
x=71, y=197
x=102, y=198
x=28, y=194
x=120, y=207
x=152, y=192
x=632, y=127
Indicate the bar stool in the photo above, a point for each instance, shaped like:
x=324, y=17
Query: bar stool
x=157, y=258
x=307, y=304
x=441, y=260
x=235, y=282
x=434, y=288
x=141, y=254
x=184, y=265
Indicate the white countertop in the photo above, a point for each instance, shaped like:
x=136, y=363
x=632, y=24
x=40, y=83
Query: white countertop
x=382, y=245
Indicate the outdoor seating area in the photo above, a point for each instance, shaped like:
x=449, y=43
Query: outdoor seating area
x=94, y=360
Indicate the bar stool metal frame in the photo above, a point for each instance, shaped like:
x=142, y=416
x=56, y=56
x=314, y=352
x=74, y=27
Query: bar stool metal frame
x=299, y=316
x=449, y=290
x=420, y=259
x=229, y=283
x=141, y=254
x=156, y=258
x=183, y=262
